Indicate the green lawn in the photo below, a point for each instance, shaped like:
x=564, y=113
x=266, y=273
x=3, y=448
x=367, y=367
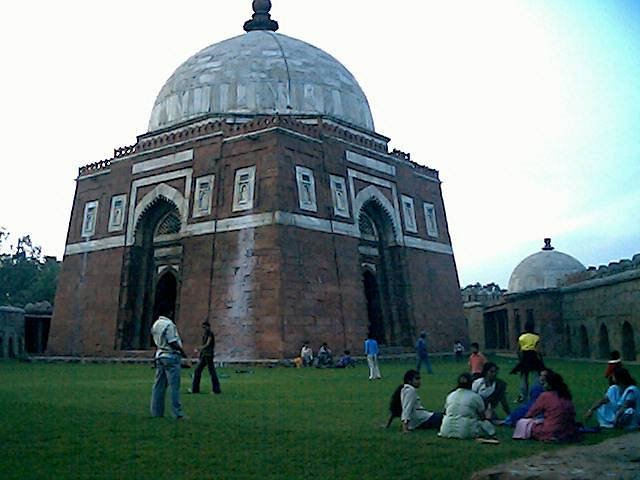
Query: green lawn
x=91, y=421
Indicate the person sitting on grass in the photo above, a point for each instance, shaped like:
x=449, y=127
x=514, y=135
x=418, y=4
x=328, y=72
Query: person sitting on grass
x=413, y=415
x=407, y=406
x=465, y=413
x=476, y=361
x=492, y=390
x=395, y=405
x=306, y=354
x=558, y=422
x=520, y=411
x=325, y=356
x=346, y=360
x=620, y=408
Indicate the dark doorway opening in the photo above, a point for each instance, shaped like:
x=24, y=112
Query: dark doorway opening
x=36, y=333
x=584, y=342
x=166, y=293
x=374, y=309
x=603, y=342
x=628, y=342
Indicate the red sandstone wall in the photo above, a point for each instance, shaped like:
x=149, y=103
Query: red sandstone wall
x=323, y=297
x=265, y=290
x=86, y=305
x=436, y=301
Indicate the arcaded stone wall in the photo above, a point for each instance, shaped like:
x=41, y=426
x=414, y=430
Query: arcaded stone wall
x=609, y=310
x=11, y=332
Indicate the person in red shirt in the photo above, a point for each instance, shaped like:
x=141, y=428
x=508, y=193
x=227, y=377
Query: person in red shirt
x=476, y=361
x=558, y=421
x=614, y=362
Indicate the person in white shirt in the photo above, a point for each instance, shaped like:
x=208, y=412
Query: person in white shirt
x=307, y=355
x=168, y=356
x=414, y=415
x=492, y=390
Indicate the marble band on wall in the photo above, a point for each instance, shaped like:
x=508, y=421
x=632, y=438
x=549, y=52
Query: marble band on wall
x=261, y=220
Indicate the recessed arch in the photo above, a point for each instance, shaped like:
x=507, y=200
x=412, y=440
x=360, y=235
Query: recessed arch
x=152, y=279
x=373, y=194
x=585, y=351
x=166, y=291
x=383, y=271
x=603, y=342
x=628, y=342
x=161, y=192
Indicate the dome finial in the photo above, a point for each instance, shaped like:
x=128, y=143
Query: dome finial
x=261, y=20
x=547, y=244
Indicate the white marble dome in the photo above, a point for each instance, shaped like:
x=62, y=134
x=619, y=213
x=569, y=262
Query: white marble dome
x=261, y=72
x=544, y=269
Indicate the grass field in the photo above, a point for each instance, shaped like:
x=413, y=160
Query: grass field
x=91, y=421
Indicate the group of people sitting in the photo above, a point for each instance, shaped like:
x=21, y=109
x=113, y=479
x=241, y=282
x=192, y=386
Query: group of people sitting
x=548, y=415
x=324, y=358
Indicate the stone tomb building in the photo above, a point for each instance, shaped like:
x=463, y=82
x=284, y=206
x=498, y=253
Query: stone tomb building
x=579, y=312
x=261, y=199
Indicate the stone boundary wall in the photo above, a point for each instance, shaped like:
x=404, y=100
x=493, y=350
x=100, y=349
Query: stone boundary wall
x=11, y=332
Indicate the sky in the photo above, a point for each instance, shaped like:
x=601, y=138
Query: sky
x=530, y=109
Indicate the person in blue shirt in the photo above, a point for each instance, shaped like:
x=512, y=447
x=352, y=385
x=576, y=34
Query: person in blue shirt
x=371, y=351
x=422, y=353
x=346, y=360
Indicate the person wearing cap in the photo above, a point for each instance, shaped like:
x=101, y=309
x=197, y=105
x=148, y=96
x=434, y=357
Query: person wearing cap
x=168, y=356
x=206, y=359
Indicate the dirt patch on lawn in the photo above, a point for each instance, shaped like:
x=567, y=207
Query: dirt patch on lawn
x=617, y=458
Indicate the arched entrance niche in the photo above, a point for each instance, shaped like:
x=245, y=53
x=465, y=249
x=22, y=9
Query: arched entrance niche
x=568, y=344
x=166, y=293
x=628, y=342
x=151, y=271
x=585, y=352
x=374, y=308
x=382, y=274
x=12, y=352
x=603, y=342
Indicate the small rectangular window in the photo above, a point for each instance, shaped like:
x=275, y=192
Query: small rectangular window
x=339, y=196
x=244, y=188
x=306, y=189
x=430, y=219
x=116, y=215
x=409, y=214
x=89, y=219
x=203, y=196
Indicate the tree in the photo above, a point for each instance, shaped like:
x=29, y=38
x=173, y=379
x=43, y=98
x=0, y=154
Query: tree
x=25, y=275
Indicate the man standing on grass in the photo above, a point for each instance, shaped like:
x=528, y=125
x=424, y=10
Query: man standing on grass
x=422, y=353
x=168, y=356
x=371, y=351
x=206, y=359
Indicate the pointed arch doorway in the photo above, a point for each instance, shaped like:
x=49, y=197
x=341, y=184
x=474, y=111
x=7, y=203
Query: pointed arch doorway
x=152, y=279
x=382, y=276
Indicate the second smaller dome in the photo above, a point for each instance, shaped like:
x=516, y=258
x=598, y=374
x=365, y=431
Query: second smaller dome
x=544, y=269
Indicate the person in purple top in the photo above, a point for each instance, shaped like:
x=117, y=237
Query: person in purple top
x=371, y=351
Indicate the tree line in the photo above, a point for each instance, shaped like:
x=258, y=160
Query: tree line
x=26, y=276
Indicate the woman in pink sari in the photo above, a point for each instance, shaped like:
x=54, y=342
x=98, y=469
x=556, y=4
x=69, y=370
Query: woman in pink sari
x=558, y=422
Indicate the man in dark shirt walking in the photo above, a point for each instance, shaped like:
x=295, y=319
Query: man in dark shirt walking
x=206, y=359
x=422, y=353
